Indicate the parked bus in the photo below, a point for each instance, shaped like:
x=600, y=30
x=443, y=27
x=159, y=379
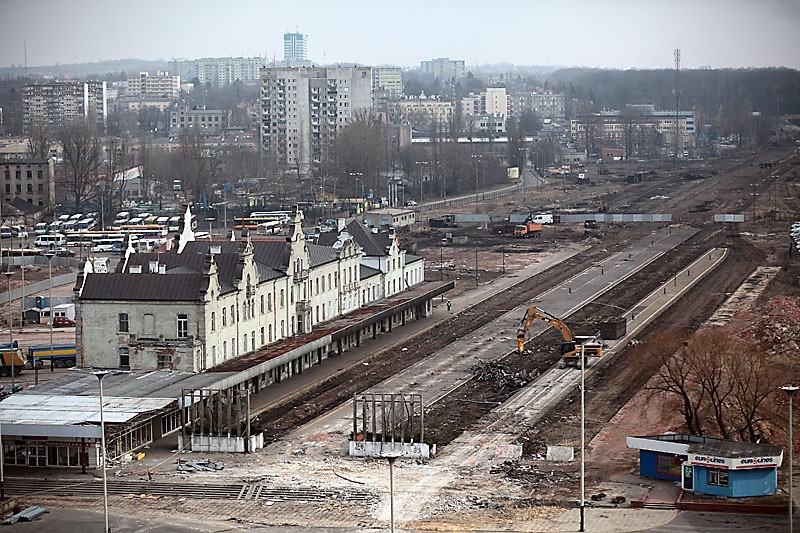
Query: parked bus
x=108, y=244
x=87, y=224
x=40, y=228
x=143, y=231
x=257, y=218
x=174, y=223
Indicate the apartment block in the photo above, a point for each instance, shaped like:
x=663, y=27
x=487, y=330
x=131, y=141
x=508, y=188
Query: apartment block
x=444, y=68
x=160, y=86
x=28, y=180
x=544, y=104
x=218, y=71
x=196, y=118
x=387, y=81
x=422, y=113
x=302, y=110
x=55, y=103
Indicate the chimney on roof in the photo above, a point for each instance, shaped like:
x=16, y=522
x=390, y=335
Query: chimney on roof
x=153, y=267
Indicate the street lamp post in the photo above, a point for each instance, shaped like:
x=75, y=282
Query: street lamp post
x=790, y=390
x=49, y=256
x=10, y=326
x=583, y=433
x=100, y=375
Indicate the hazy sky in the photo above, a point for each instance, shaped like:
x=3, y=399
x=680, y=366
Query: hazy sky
x=601, y=33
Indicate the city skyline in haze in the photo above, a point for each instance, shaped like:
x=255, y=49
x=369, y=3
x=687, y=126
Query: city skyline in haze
x=622, y=34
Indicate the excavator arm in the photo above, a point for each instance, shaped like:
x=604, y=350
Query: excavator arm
x=533, y=313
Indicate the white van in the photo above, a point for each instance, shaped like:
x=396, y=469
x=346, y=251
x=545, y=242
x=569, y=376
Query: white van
x=50, y=241
x=543, y=219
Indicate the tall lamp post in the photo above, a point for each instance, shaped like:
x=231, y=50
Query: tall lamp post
x=100, y=375
x=49, y=256
x=790, y=390
x=10, y=326
x=354, y=175
x=583, y=433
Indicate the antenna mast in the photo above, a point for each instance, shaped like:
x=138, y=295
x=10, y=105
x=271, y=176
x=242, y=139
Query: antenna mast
x=677, y=54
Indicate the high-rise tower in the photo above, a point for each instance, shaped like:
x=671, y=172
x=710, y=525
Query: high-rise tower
x=295, y=47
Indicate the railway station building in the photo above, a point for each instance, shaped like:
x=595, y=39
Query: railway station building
x=185, y=333
x=217, y=301
x=706, y=465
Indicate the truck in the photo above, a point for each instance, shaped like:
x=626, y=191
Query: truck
x=572, y=346
x=11, y=358
x=527, y=230
x=543, y=218
x=63, y=355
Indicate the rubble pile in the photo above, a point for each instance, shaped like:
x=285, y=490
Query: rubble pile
x=502, y=375
x=531, y=475
x=775, y=325
x=199, y=465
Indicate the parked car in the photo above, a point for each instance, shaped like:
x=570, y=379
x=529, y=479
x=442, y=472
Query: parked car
x=8, y=390
x=64, y=252
x=62, y=322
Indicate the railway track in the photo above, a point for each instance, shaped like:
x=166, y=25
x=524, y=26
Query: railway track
x=233, y=491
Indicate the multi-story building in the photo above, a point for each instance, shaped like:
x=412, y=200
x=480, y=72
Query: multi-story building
x=295, y=48
x=55, y=103
x=198, y=117
x=216, y=301
x=640, y=129
x=494, y=101
x=544, y=104
x=218, y=71
x=387, y=81
x=422, y=113
x=32, y=181
x=444, y=68
x=160, y=86
x=302, y=110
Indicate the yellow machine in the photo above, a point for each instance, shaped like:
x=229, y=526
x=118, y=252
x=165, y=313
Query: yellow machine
x=571, y=346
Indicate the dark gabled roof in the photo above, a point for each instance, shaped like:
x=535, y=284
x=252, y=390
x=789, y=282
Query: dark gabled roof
x=368, y=272
x=328, y=238
x=411, y=258
x=319, y=255
x=373, y=244
x=144, y=287
x=229, y=270
x=266, y=273
x=193, y=262
x=274, y=254
x=24, y=207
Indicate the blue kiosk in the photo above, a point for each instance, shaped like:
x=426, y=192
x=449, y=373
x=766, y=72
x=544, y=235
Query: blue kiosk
x=706, y=465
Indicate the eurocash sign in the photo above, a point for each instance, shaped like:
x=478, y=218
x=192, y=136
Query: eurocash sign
x=730, y=463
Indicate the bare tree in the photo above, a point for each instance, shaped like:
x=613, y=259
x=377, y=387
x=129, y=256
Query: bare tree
x=39, y=141
x=83, y=157
x=674, y=375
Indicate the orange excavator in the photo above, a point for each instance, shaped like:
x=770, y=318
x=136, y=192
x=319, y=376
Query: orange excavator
x=571, y=346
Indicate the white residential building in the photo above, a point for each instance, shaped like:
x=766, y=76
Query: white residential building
x=302, y=109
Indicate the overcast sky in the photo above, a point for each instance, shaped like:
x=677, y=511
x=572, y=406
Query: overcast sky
x=594, y=33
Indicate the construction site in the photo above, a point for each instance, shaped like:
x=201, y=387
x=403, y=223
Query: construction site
x=456, y=422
